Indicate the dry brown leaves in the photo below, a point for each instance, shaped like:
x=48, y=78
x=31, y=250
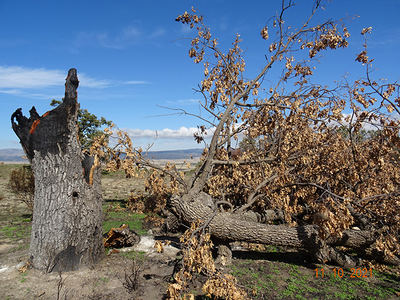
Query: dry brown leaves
x=197, y=259
x=325, y=160
x=309, y=139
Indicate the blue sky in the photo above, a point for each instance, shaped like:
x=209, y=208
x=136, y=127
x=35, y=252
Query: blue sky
x=132, y=58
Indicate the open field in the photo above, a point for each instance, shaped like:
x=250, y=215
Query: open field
x=273, y=273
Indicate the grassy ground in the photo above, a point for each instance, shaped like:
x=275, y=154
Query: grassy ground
x=290, y=280
x=272, y=274
x=15, y=218
x=114, y=219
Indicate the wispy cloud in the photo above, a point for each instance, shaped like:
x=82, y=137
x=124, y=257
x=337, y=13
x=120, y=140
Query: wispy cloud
x=135, y=82
x=42, y=83
x=159, y=32
x=90, y=82
x=166, y=133
x=171, y=139
x=16, y=77
x=130, y=32
x=387, y=37
x=29, y=94
x=388, y=41
x=189, y=101
x=10, y=91
x=117, y=40
x=366, y=125
x=185, y=29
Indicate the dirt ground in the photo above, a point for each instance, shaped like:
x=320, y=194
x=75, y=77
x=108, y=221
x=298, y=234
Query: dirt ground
x=268, y=273
x=104, y=281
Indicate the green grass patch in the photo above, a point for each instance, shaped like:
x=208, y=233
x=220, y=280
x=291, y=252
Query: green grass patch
x=134, y=255
x=116, y=174
x=23, y=277
x=101, y=281
x=18, y=229
x=16, y=232
x=19, y=248
x=270, y=248
x=113, y=219
x=281, y=280
x=255, y=278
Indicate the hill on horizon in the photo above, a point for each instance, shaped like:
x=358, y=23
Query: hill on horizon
x=17, y=155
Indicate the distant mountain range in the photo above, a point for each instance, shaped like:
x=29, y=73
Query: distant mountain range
x=175, y=154
x=14, y=155
x=18, y=155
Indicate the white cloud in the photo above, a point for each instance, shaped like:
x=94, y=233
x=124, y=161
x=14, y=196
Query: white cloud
x=366, y=125
x=116, y=40
x=171, y=139
x=105, y=41
x=19, y=77
x=135, y=82
x=24, y=93
x=41, y=83
x=130, y=32
x=166, y=133
x=185, y=29
x=13, y=78
x=10, y=92
x=157, y=33
x=189, y=101
x=90, y=82
x=119, y=39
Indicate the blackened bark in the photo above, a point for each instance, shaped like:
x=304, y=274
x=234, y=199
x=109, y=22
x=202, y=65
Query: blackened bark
x=67, y=214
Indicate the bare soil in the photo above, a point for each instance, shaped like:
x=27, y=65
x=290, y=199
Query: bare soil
x=104, y=281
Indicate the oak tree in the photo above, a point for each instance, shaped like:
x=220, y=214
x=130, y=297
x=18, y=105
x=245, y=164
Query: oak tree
x=312, y=179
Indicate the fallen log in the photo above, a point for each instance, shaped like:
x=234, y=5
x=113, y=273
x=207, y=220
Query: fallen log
x=228, y=227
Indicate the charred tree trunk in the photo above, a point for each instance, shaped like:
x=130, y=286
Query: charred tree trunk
x=67, y=214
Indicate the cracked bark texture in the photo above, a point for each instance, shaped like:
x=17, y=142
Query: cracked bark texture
x=67, y=214
x=229, y=227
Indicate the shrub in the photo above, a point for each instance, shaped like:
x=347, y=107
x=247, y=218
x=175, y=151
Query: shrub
x=22, y=184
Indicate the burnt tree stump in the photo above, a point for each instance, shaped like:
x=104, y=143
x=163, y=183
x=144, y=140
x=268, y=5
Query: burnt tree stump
x=67, y=214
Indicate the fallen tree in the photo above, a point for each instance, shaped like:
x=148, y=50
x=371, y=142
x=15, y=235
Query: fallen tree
x=334, y=183
x=230, y=227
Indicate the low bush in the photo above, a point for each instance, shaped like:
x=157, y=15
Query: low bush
x=22, y=184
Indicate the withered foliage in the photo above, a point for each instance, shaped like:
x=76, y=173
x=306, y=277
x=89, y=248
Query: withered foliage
x=115, y=149
x=309, y=159
x=324, y=156
x=197, y=259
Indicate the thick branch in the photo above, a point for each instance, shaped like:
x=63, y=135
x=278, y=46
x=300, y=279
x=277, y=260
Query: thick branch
x=229, y=227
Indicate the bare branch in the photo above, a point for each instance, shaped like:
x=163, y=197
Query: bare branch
x=184, y=112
